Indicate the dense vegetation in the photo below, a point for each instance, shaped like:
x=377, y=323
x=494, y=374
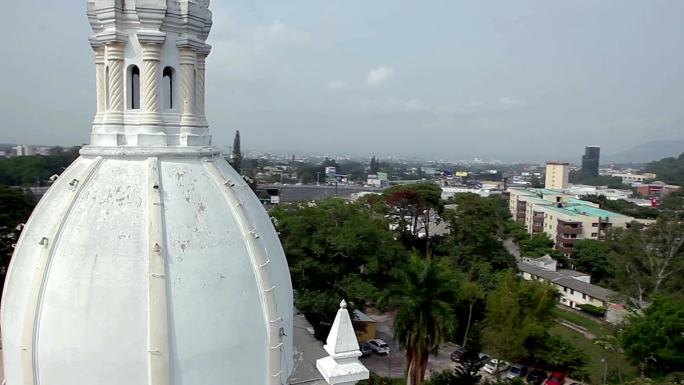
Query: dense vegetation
x=35, y=170
x=670, y=170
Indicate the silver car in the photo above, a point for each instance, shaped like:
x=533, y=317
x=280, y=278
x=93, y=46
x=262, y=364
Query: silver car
x=379, y=346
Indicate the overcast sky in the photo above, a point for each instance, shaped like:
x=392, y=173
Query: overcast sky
x=430, y=78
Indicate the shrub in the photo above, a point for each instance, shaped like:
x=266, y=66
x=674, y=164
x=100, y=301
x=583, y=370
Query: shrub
x=593, y=310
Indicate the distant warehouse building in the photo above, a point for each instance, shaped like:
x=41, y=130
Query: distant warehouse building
x=563, y=217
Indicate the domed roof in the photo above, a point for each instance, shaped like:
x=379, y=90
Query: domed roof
x=128, y=265
x=150, y=260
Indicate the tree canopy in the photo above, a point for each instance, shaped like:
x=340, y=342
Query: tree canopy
x=424, y=296
x=648, y=260
x=670, y=170
x=655, y=340
x=335, y=249
x=591, y=256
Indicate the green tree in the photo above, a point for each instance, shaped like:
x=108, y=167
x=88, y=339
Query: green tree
x=591, y=256
x=477, y=226
x=15, y=208
x=655, y=340
x=335, y=249
x=413, y=209
x=518, y=314
x=471, y=294
x=32, y=170
x=648, y=260
x=424, y=297
x=670, y=170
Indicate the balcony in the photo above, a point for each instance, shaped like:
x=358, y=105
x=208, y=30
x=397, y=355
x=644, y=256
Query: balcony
x=566, y=238
x=569, y=230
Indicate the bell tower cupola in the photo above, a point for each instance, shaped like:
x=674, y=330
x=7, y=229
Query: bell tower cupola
x=150, y=69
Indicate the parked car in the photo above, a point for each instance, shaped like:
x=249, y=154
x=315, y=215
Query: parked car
x=536, y=377
x=516, y=371
x=556, y=378
x=366, y=349
x=379, y=346
x=458, y=354
x=495, y=366
x=483, y=358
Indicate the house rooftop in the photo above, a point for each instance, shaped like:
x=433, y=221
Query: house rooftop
x=565, y=279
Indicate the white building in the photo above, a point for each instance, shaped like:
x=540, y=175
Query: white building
x=149, y=261
x=575, y=288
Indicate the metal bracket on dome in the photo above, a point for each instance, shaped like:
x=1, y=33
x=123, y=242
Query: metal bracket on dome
x=43, y=241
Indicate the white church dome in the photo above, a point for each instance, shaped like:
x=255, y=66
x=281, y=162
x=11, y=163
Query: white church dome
x=150, y=260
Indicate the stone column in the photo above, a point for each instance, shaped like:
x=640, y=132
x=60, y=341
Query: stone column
x=115, y=61
x=100, y=82
x=151, y=79
x=200, y=88
x=187, y=81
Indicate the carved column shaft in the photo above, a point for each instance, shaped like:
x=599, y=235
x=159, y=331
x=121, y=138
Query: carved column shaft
x=115, y=58
x=187, y=75
x=151, y=83
x=201, y=66
x=100, y=82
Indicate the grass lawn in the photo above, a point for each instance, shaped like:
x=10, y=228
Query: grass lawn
x=594, y=327
x=377, y=380
x=617, y=364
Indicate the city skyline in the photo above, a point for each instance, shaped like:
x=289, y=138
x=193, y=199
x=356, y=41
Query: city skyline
x=515, y=82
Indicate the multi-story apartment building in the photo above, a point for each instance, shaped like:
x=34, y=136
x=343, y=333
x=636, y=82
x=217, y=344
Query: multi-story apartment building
x=556, y=176
x=563, y=217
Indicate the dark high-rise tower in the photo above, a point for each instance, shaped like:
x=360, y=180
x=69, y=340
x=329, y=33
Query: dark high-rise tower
x=236, y=156
x=590, y=160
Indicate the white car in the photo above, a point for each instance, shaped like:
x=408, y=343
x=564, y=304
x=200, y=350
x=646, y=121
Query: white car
x=494, y=366
x=379, y=346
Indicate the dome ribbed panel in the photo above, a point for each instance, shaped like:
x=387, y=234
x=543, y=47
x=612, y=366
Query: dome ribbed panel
x=94, y=306
x=215, y=310
x=22, y=278
x=277, y=268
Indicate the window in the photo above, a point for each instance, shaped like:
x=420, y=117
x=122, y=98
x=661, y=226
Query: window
x=594, y=225
x=167, y=88
x=565, y=289
x=594, y=234
x=572, y=291
x=134, y=88
x=584, y=296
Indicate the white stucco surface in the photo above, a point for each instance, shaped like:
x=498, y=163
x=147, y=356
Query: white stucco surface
x=91, y=307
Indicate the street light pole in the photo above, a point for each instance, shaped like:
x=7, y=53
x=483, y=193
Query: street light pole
x=605, y=370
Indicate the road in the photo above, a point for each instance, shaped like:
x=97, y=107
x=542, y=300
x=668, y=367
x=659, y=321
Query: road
x=394, y=364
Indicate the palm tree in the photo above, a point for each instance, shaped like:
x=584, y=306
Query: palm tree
x=424, y=297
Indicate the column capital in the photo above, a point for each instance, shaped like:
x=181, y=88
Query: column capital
x=115, y=51
x=99, y=54
x=151, y=37
x=151, y=52
x=189, y=41
x=186, y=56
x=108, y=37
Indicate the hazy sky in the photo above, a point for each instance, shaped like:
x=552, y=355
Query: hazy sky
x=431, y=78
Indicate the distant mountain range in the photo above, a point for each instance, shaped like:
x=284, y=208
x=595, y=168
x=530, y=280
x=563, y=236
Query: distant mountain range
x=647, y=152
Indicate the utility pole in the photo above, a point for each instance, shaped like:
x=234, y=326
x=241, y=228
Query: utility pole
x=318, y=178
